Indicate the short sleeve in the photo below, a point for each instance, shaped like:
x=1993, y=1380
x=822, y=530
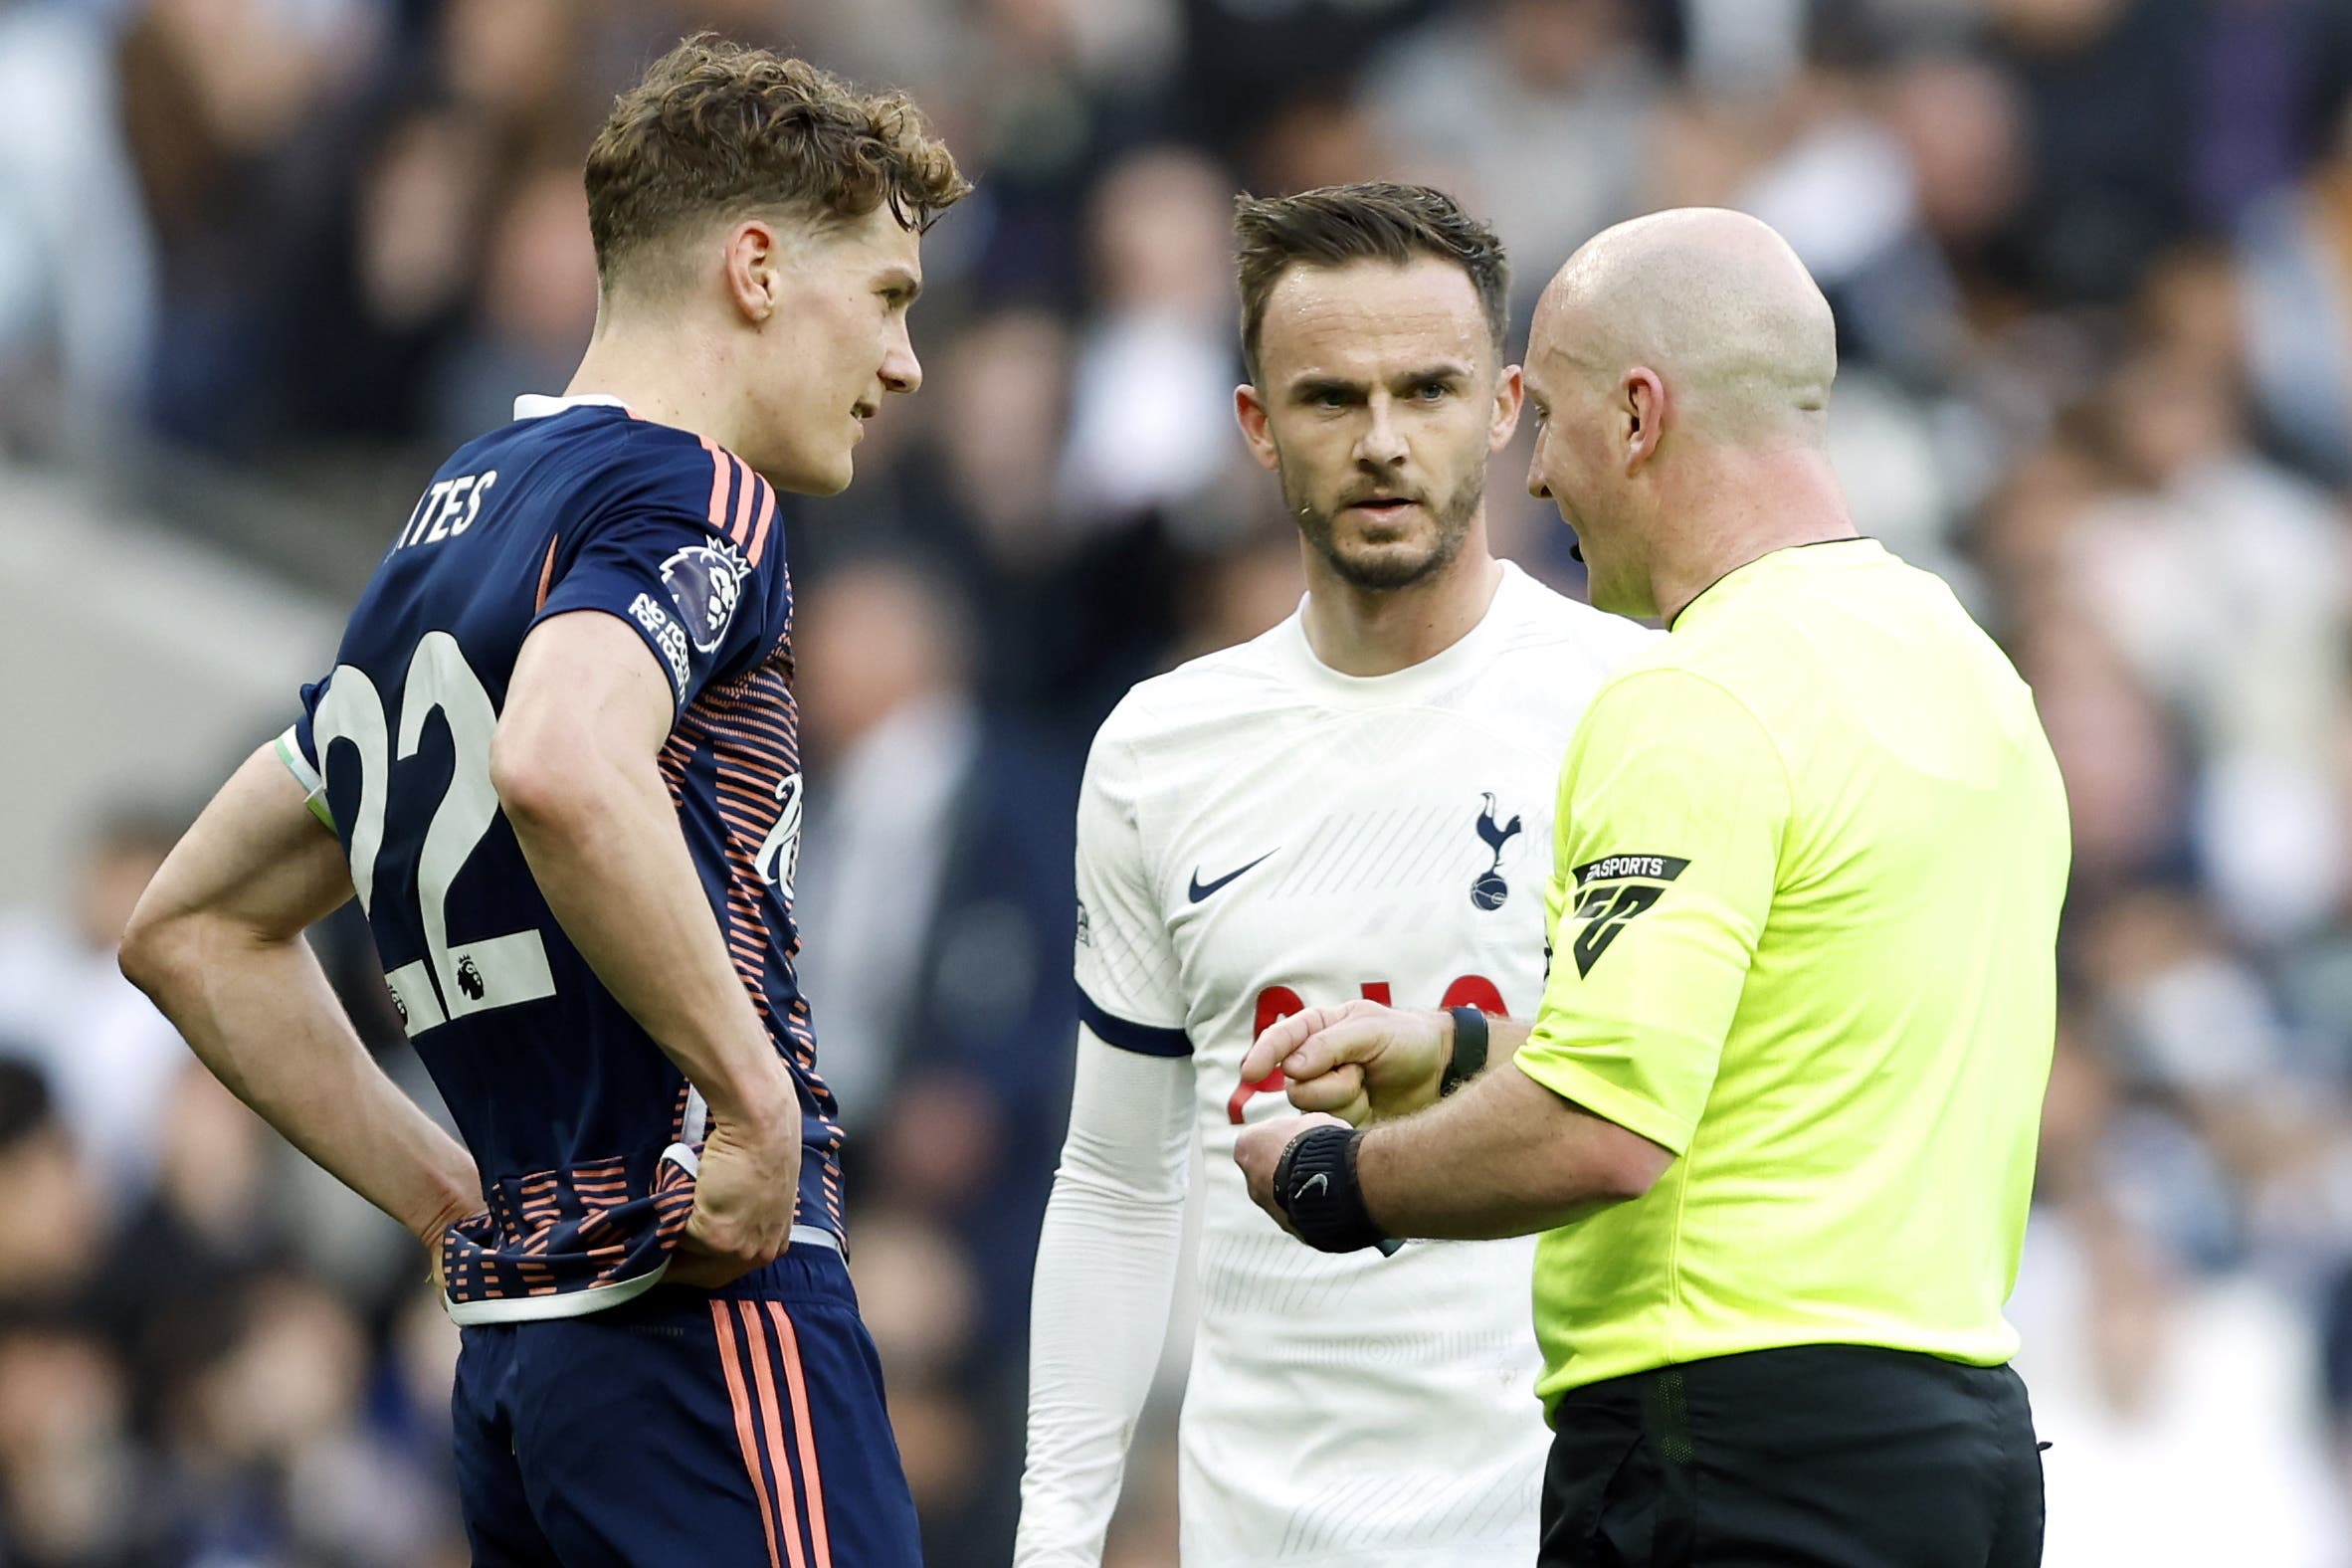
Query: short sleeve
x=694, y=596
x=298, y=748
x=1673, y=804
x=1124, y=962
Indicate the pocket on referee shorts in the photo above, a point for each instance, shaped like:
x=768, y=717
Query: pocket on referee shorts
x=1612, y=1500
x=1626, y=1527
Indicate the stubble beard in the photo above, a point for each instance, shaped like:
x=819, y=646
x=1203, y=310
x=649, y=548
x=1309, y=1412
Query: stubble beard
x=1388, y=568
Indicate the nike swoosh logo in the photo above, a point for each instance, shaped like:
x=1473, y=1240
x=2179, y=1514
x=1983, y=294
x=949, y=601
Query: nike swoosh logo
x=1319, y=1182
x=1201, y=889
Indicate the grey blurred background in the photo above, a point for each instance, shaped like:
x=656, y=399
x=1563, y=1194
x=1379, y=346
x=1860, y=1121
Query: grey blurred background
x=262, y=261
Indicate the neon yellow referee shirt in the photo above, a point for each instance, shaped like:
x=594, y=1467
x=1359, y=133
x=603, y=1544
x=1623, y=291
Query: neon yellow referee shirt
x=1810, y=852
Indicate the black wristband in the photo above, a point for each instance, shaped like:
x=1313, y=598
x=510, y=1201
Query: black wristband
x=1469, y=1049
x=1315, y=1184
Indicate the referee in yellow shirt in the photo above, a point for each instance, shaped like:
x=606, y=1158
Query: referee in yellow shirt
x=1777, y=1118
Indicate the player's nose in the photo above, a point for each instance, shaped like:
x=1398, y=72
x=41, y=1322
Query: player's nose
x=1382, y=443
x=901, y=370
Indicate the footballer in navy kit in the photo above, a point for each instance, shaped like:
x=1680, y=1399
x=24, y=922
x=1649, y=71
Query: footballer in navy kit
x=559, y=755
x=576, y=505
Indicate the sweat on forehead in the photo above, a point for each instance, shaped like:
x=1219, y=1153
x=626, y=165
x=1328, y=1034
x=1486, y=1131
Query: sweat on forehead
x=1371, y=311
x=1714, y=301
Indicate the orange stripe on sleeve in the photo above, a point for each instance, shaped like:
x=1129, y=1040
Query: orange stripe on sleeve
x=741, y=1400
x=546, y=577
x=718, y=484
x=788, y=1512
x=812, y=1488
x=768, y=511
x=740, y=529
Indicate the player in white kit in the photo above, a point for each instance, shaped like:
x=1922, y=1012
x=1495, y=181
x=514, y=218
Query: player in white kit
x=1357, y=804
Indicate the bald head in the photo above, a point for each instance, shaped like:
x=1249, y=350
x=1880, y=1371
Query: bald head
x=1718, y=304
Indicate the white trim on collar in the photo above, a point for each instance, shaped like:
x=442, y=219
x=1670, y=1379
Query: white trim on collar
x=537, y=405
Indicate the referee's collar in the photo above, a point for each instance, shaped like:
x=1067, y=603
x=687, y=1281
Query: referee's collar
x=538, y=405
x=1771, y=557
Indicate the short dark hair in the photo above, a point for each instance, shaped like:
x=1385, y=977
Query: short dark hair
x=717, y=129
x=1371, y=221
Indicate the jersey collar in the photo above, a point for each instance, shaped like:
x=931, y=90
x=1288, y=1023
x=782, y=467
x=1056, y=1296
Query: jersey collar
x=1414, y=682
x=537, y=405
x=1770, y=561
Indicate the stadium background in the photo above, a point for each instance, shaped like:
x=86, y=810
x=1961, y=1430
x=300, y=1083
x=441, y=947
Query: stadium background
x=263, y=261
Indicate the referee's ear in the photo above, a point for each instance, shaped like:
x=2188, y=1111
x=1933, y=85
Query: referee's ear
x=1644, y=410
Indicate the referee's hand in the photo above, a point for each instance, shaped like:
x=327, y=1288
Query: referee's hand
x=1361, y=1062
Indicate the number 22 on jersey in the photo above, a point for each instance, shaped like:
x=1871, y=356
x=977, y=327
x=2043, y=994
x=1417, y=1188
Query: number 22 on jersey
x=452, y=980
x=1277, y=1002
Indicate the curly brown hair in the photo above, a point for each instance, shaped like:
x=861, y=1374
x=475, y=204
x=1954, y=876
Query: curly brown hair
x=1372, y=221
x=718, y=131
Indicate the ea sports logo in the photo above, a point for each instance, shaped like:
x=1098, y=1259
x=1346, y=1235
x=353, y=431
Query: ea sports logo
x=704, y=584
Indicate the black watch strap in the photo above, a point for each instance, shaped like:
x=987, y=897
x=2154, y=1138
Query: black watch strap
x=1315, y=1183
x=1469, y=1049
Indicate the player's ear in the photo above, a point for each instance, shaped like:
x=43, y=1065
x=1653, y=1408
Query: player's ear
x=1249, y=411
x=1510, y=395
x=754, y=269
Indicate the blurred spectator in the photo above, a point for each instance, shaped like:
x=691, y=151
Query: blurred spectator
x=75, y=1491
x=236, y=112
x=2155, y=1383
x=2336, y=1350
x=1245, y=58
x=77, y=257
x=1486, y=101
x=536, y=309
x=2223, y=579
x=270, y=1451
x=934, y=883
x=919, y=1300
x=393, y=286
x=2297, y=311
x=58, y=1232
x=1151, y=400
x=205, y=1230
x=109, y=1056
x=2109, y=91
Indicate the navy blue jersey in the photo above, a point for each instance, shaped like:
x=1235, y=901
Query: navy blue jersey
x=585, y=1132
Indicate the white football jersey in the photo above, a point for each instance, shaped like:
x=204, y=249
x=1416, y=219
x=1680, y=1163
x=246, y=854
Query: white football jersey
x=1259, y=834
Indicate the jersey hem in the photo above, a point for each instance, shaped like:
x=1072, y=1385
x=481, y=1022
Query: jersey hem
x=536, y=1308
x=1555, y=1386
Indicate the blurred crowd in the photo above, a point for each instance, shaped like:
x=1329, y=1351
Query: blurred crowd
x=2092, y=264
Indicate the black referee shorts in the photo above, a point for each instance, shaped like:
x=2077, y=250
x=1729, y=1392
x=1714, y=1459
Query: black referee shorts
x=1813, y=1456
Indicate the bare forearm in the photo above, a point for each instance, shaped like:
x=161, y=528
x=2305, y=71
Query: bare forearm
x=1504, y=1156
x=261, y=1016
x=609, y=857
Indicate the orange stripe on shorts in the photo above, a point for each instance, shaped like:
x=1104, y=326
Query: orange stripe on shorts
x=741, y=1400
x=773, y=1421
x=812, y=1488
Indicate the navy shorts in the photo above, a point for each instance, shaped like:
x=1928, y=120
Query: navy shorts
x=717, y=1430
